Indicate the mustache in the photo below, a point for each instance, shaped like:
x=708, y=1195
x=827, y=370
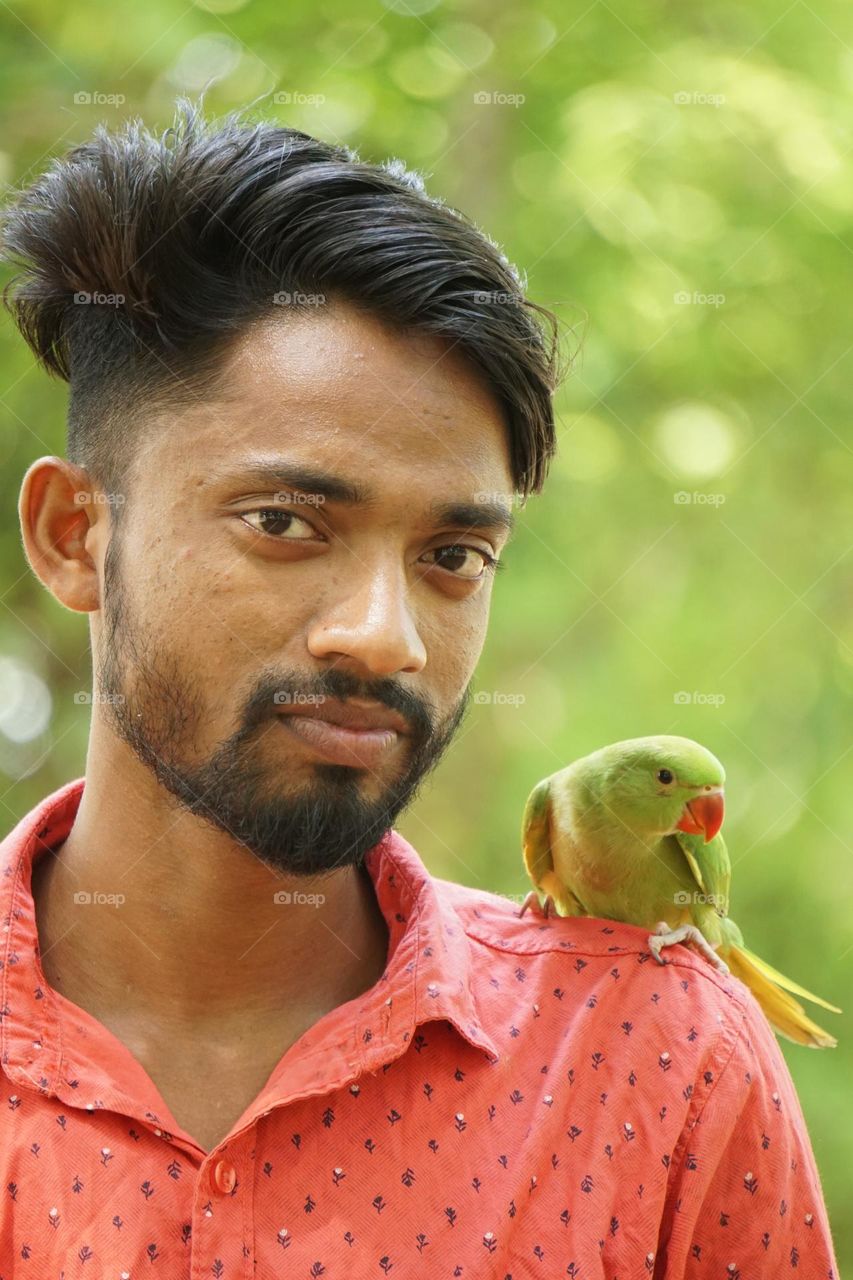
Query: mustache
x=290, y=686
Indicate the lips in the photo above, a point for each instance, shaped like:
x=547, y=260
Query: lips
x=345, y=733
x=703, y=814
x=349, y=715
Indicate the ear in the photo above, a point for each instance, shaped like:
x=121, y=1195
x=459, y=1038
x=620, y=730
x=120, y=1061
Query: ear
x=62, y=521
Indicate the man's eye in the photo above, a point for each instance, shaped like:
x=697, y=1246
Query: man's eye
x=278, y=523
x=469, y=563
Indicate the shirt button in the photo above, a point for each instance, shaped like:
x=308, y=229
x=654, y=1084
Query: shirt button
x=224, y=1176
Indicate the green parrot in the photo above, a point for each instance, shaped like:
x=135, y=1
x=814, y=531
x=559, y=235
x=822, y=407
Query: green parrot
x=632, y=833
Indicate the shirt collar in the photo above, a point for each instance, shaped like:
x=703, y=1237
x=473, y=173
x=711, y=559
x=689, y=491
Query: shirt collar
x=428, y=942
x=428, y=975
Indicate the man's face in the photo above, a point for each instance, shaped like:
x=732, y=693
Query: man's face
x=234, y=601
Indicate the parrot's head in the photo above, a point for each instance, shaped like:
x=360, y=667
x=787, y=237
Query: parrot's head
x=661, y=784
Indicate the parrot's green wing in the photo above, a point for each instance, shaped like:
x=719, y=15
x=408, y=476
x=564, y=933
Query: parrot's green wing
x=538, y=855
x=535, y=837
x=710, y=866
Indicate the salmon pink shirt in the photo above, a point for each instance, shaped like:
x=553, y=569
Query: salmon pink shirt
x=514, y=1098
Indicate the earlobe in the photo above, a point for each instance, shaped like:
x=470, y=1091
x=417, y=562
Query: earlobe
x=57, y=515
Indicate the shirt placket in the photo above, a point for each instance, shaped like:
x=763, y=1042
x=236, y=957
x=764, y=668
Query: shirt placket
x=222, y=1242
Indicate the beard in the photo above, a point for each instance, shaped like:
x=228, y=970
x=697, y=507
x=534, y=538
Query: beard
x=300, y=824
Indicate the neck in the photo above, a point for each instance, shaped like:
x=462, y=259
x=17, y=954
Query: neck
x=196, y=937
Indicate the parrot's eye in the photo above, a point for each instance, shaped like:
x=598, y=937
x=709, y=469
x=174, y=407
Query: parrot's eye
x=664, y=775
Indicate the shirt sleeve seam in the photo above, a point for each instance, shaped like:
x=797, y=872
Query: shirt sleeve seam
x=700, y=967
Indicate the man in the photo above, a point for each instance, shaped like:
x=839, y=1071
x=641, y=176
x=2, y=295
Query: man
x=244, y=1031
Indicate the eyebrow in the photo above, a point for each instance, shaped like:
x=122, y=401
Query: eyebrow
x=488, y=514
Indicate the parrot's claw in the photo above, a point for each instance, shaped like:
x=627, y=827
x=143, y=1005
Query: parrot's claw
x=664, y=936
x=532, y=900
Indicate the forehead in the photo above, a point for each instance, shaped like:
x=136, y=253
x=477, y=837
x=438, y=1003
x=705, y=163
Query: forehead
x=335, y=385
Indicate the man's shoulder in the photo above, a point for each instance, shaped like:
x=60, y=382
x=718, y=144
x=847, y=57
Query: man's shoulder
x=494, y=919
x=593, y=949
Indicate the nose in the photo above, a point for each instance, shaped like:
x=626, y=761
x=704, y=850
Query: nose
x=372, y=625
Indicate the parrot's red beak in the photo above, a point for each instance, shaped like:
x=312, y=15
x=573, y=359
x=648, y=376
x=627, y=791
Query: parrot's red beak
x=703, y=814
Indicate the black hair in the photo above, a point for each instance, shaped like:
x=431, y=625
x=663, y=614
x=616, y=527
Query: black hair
x=144, y=257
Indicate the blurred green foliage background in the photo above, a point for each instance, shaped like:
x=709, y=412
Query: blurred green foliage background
x=676, y=183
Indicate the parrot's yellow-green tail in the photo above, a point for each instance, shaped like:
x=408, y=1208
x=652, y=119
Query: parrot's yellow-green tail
x=782, y=1011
